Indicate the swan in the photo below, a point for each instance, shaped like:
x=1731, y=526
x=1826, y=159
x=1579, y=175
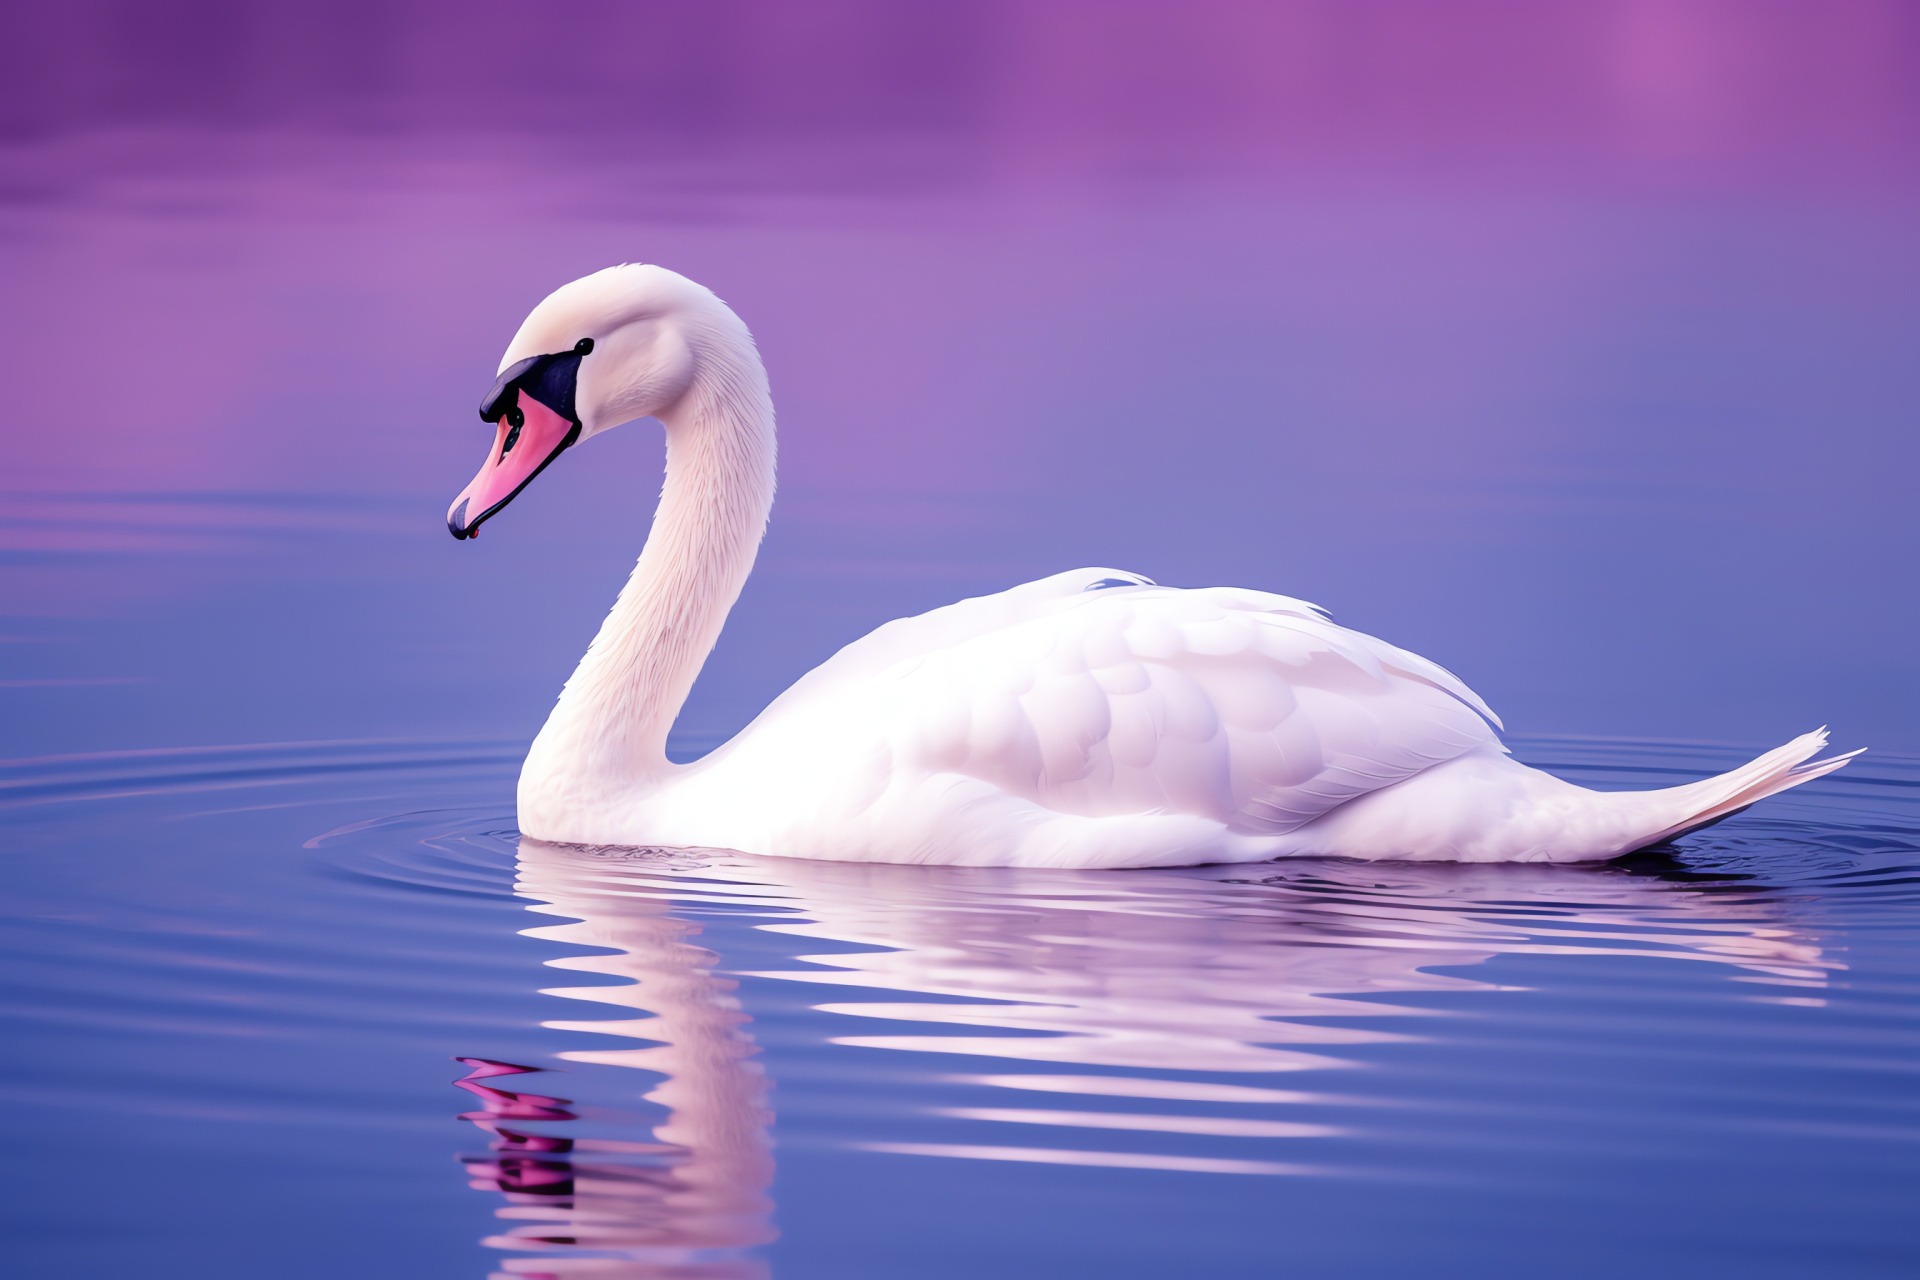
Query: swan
x=1089, y=719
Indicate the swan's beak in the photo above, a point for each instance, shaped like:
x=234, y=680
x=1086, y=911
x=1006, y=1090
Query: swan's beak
x=528, y=436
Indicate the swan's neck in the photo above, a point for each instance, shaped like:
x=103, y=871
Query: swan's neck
x=609, y=731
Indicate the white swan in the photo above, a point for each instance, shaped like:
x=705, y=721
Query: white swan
x=1090, y=719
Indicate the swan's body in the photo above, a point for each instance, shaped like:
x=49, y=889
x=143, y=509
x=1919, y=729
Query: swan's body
x=1090, y=719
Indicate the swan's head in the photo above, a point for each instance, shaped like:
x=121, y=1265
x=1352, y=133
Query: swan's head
x=608, y=348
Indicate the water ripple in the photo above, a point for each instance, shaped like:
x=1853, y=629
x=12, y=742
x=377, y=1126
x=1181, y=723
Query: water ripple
x=168, y=771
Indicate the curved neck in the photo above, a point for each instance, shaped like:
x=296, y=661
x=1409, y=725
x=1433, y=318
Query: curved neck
x=609, y=730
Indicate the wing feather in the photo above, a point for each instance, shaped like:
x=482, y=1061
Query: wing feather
x=1246, y=708
x=1250, y=709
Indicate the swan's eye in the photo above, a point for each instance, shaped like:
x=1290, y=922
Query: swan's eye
x=516, y=419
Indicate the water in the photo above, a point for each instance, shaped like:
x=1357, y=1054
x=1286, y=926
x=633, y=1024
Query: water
x=1570, y=349
x=246, y=999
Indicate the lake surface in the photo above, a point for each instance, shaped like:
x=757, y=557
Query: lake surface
x=259, y=984
x=1571, y=348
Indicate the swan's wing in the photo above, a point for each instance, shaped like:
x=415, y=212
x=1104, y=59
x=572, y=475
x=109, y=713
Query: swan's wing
x=1245, y=707
x=907, y=638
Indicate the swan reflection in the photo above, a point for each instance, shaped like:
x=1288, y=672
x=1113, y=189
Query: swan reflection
x=1088, y=1002
x=684, y=1206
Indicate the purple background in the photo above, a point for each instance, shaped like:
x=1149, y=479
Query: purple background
x=1571, y=345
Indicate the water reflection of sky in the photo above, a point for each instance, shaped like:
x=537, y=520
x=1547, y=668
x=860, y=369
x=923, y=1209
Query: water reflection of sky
x=1565, y=344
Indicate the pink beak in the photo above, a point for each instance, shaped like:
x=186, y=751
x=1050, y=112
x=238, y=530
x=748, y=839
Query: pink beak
x=519, y=454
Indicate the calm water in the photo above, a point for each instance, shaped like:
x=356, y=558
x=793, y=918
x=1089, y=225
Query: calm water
x=247, y=976
x=1570, y=346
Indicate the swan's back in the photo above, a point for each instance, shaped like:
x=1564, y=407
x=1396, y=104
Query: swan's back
x=1248, y=711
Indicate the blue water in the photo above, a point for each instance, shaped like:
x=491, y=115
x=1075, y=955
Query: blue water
x=1570, y=346
x=240, y=980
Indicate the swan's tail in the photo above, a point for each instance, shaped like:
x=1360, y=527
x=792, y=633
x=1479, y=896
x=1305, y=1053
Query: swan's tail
x=1700, y=804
